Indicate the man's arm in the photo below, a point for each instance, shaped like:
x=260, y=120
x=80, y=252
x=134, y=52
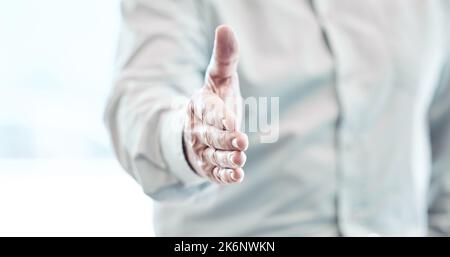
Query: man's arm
x=161, y=62
x=167, y=113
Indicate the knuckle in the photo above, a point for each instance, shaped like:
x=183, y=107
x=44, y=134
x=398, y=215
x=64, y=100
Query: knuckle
x=221, y=175
x=216, y=175
x=211, y=156
x=214, y=157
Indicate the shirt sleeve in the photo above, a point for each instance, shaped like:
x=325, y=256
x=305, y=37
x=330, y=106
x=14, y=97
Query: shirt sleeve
x=161, y=62
x=439, y=117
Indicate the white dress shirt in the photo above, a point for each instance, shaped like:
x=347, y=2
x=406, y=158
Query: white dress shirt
x=364, y=93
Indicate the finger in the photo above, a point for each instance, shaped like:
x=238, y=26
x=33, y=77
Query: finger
x=224, y=159
x=225, y=55
x=240, y=142
x=221, y=139
x=237, y=176
x=211, y=110
x=227, y=176
x=216, y=175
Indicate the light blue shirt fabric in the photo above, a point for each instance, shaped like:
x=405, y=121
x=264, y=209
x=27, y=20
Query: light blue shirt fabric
x=364, y=93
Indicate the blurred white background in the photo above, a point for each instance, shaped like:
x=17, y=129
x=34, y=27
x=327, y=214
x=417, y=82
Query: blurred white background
x=58, y=175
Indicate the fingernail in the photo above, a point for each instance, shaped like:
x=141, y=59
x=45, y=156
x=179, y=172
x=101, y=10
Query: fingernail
x=234, y=143
x=230, y=157
x=233, y=177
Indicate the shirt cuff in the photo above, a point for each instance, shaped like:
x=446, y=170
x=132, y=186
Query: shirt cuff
x=172, y=125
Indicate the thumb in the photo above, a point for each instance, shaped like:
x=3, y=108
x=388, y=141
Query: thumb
x=225, y=55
